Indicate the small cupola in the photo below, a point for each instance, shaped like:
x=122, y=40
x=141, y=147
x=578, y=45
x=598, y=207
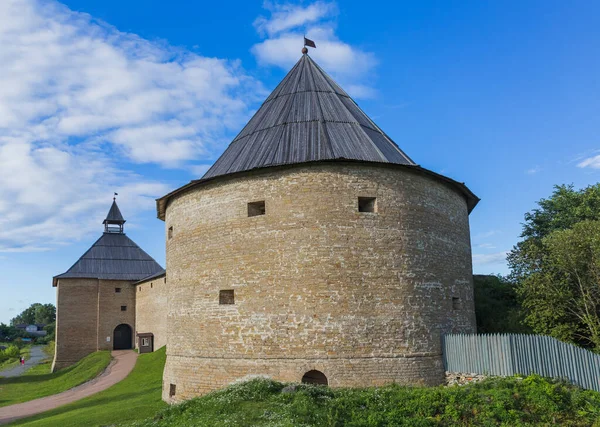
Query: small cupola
x=114, y=220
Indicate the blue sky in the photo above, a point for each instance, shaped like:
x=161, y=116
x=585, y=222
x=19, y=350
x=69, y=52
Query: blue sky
x=139, y=97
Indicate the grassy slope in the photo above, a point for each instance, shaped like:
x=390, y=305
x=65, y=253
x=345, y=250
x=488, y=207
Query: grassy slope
x=137, y=396
x=505, y=402
x=39, y=382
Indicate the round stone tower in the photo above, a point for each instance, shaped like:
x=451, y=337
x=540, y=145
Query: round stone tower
x=314, y=250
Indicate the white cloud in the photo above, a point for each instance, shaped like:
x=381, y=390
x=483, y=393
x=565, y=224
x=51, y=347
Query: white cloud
x=486, y=246
x=82, y=103
x=486, y=259
x=55, y=195
x=72, y=77
x=590, y=162
x=533, y=170
x=287, y=16
x=284, y=31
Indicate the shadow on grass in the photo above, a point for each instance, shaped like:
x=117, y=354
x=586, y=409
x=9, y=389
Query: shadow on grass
x=28, y=378
x=86, y=403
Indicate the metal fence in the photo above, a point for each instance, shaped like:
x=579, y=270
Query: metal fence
x=511, y=354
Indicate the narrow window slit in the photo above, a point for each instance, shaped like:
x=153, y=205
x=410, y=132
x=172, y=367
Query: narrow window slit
x=226, y=297
x=256, y=208
x=367, y=204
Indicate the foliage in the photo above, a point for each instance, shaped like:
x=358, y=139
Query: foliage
x=12, y=352
x=555, y=264
x=50, y=348
x=39, y=382
x=565, y=208
x=136, y=397
x=562, y=297
x=10, y=333
x=50, y=329
x=496, y=306
x=10, y=358
x=36, y=314
x=495, y=401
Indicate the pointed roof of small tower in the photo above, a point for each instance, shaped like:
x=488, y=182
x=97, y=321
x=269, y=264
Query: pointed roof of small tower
x=308, y=117
x=114, y=256
x=114, y=215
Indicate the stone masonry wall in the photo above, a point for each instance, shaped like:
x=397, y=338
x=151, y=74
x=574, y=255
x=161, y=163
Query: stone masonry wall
x=76, y=320
x=110, y=314
x=363, y=297
x=88, y=311
x=151, y=313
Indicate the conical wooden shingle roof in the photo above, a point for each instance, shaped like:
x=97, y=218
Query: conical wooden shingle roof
x=114, y=215
x=114, y=256
x=308, y=117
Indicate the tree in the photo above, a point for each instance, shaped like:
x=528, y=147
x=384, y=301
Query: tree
x=10, y=333
x=496, y=306
x=50, y=329
x=45, y=314
x=553, y=267
x=36, y=314
x=562, y=297
x=565, y=208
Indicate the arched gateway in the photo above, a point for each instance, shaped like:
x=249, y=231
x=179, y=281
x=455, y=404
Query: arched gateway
x=122, y=337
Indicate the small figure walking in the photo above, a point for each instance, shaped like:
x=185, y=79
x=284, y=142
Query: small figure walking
x=22, y=360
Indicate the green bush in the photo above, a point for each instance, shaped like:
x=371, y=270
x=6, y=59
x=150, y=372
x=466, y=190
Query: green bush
x=496, y=401
x=12, y=352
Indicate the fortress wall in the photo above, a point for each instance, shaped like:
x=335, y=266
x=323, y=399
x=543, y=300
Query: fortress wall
x=151, y=310
x=199, y=376
x=363, y=296
x=76, y=320
x=109, y=310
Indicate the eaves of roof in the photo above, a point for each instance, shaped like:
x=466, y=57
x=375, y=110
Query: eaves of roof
x=470, y=197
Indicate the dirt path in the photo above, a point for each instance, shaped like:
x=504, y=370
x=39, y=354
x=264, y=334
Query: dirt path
x=37, y=355
x=122, y=364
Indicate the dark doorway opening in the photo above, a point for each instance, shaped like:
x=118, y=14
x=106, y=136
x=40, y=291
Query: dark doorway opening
x=122, y=337
x=314, y=377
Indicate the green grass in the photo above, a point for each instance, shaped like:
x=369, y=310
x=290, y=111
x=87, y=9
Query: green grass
x=494, y=402
x=39, y=382
x=136, y=397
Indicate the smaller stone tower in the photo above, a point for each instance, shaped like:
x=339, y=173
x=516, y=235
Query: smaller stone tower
x=95, y=298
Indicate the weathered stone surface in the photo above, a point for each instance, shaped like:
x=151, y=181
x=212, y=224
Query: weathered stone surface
x=87, y=312
x=362, y=297
x=150, y=307
x=456, y=378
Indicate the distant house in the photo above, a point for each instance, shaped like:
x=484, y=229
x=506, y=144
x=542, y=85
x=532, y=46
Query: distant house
x=36, y=330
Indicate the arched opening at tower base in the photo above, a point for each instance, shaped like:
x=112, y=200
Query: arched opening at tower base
x=122, y=337
x=315, y=377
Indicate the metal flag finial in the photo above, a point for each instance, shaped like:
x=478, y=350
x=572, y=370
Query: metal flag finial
x=309, y=43
x=115, y=197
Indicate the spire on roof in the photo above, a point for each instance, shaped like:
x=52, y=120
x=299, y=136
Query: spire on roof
x=307, y=118
x=114, y=220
